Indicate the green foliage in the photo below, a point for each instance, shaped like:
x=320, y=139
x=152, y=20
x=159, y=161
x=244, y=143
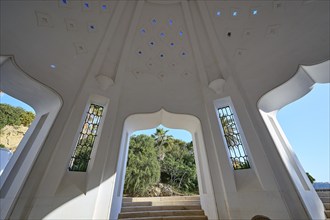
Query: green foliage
x=2, y=146
x=161, y=142
x=172, y=160
x=178, y=167
x=82, y=153
x=143, y=168
x=10, y=115
x=26, y=118
x=239, y=165
x=310, y=178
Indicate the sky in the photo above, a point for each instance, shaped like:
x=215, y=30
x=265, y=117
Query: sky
x=176, y=133
x=4, y=98
x=305, y=123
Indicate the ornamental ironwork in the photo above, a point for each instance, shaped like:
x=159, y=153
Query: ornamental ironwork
x=81, y=155
x=233, y=139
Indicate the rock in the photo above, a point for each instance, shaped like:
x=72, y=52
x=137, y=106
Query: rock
x=162, y=189
x=11, y=136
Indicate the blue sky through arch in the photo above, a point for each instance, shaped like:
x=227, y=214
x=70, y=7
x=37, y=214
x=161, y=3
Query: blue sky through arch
x=306, y=124
x=176, y=133
x=7, y=99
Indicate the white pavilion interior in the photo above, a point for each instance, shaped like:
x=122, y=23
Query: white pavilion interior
x=186, y=64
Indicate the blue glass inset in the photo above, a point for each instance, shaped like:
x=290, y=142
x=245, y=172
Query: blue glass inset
x=218, y=13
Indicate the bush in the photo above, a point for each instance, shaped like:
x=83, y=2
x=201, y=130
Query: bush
x=10, y=115
x=310, y=178
x=160, y=158
x=143, y=168
x=178, y=167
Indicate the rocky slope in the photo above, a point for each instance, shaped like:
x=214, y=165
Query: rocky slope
x=11, y=136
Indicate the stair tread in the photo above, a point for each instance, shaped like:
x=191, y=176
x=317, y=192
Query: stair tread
x=166, y=198
x=161, y=213
x=154, y=208
x=168, y=217
x=160, y=203
x=327, y=213
x=326, y=206
x=325, y=199
x=164, y=211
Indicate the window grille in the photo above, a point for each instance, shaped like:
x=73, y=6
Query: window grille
x=233, y=139
x=81, y=155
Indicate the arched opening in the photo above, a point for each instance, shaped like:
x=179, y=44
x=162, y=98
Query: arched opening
x=298, y=86
x=306, y=125
x=161, y=163
x=46, y=104
x=15, y=119
x=170, y=120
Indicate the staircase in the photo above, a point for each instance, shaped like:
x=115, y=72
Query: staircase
x=156, y=208
x=324, y=195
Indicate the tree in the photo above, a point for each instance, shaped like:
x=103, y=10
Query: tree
x=178, y=167
x=147, y=156
x=143, y=168
x=310, y=178
x=26, y=118
x=10, y=115
x=161, y=141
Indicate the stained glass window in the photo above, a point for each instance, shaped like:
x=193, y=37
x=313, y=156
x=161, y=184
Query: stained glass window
x=81, y=155
x=233, y=139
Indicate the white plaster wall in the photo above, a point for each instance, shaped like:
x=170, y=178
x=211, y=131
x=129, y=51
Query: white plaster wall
x=5, y=156
x=18, y=84
x=183, y=121
x=298, y=86
x=233, y=191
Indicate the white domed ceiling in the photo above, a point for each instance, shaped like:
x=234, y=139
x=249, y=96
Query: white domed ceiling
x=161, y=45
x=61, y=42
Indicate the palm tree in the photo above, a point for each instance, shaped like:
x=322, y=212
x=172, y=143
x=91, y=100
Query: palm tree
x=161, y=141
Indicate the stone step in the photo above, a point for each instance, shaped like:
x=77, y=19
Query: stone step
x=167, y=198
x=158, y=208
x=326, y=206
x=327, y=213
x=323, y=193
x=161, y=213
x=170, y=217
x=129, y=204
x=325, y=199
x=161, y=203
